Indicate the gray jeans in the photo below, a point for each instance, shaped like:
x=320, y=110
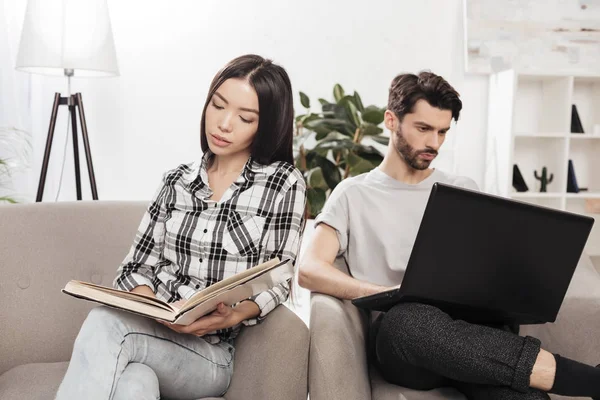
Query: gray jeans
x=118, y=355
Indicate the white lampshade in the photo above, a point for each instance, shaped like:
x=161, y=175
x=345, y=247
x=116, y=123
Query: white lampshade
x=67, y=34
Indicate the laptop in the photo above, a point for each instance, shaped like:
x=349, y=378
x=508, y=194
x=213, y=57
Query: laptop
x=489, y=260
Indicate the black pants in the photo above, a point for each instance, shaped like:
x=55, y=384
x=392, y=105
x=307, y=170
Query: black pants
x=420, y=347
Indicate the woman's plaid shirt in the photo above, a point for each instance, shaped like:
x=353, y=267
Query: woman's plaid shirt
x=187, y=242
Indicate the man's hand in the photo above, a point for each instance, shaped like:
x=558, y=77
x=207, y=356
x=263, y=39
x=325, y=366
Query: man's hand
x=374, y=289
x=223, y=317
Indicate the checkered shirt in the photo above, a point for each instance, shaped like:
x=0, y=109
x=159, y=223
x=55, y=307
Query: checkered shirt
x=186, y=242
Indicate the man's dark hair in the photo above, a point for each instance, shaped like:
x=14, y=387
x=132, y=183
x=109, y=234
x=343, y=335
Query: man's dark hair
x=407, y=89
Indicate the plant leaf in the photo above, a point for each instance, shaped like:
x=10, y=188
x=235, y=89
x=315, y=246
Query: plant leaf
x=8, y=199
x=304, y=100
x=338, y=92
x=373, y=114
x=298, y=163
x=316, y=200
x=369, y=153
x=334, y=135
x=322, y=152
x=331, y=173
x=319, y=126
x=325, y=125
x=340, y=155
x=310, y=117
x=361, y=150
x=381, y=139
x=336, y=145
x=358, y=102
x=310, y=159
x=316, y=180
x=351, y=111
x=369, y=129
x=358, y=165
x=323, y=101
x=300, y=139
x=338, y=110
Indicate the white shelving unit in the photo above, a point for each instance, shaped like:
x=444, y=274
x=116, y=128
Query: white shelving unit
x=529, y=124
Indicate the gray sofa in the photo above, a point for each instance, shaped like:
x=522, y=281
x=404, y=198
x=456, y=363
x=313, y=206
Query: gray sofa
x=338, y=367
x=44, y=245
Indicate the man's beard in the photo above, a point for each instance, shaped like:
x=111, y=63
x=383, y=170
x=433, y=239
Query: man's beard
x=410, y=155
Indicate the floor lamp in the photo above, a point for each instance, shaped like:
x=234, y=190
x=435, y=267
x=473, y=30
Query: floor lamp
x=71, y=38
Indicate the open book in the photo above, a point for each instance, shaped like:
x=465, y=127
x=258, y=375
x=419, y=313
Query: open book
x=229, y=291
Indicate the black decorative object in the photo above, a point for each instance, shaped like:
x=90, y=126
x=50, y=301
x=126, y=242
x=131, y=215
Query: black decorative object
x=544, y=179
x=517, y=180
x=576, y=126
x=572, y=186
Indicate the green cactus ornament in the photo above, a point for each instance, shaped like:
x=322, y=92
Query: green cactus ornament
x=544, y=179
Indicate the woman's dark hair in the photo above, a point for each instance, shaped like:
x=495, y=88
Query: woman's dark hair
x=275, y=134
x=407, y=89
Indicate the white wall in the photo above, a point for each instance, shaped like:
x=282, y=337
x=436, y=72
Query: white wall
x=147, y=120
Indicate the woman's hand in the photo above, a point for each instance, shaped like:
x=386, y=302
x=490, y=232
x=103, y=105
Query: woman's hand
x=223, y=317
x=143, y=289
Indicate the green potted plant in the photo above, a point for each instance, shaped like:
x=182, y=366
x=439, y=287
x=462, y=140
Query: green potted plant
x=14, y=155
x=329, y=143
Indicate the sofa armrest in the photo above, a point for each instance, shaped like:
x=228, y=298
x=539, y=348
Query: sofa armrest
x=271, y=359
x=338, y=357
x=43, y=246
x=575, y=332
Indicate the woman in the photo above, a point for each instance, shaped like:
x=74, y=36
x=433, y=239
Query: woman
x=241, y=205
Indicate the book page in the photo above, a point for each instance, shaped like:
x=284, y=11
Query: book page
x=230, y=282
x=229, y=297
x=244, y=277
x=261, y=282
x=75, y=286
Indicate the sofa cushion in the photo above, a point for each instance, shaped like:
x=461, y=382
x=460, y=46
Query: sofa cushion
x=38, y=381
x=382, y=390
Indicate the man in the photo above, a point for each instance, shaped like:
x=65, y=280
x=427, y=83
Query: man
x=372, y=220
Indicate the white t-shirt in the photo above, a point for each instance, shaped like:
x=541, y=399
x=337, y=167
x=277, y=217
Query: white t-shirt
x=377, y=218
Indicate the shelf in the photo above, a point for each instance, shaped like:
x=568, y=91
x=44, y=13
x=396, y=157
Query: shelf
x=585, y=155
x=529, y=124
x=542, y=77
x=542, y=105
x=554, y=195
x=587, y=79
x=536, y=195
x=583, y=195
x=583, y=136
x=586, y=96
x=546, y=135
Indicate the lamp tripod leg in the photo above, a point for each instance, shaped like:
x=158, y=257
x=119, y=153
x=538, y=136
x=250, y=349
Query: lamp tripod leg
x=44, y=172
x=86, y=145
x=73, y=116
